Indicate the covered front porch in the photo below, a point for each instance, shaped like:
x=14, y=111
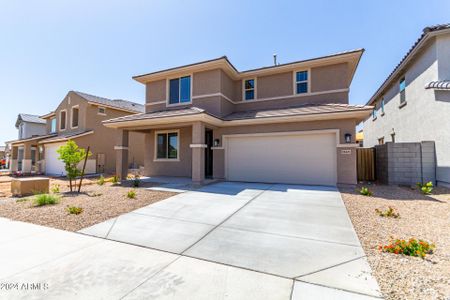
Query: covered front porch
x=27, y=156
x=179, y=150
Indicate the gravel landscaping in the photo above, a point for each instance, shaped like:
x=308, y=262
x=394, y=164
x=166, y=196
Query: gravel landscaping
x=99, y=204
x=422, y=217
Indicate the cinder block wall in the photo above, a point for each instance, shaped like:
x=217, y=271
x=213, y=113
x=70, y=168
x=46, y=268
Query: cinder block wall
x=406, y=163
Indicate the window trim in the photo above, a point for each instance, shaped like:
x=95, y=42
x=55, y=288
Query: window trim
x=56, y=125
x=155, y=156
x=65, y=123
x=100, y=113
x=374, y=112
x=71, y=116
x=294, y=81
x=168, y=79
x=382, y=103
x=255, y=95
x=402, y=79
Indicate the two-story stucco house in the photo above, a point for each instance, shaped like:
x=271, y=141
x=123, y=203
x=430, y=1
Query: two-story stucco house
x=289, y=123
x=78, y=117
x=413, y=104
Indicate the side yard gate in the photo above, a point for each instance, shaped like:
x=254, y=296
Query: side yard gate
x=365, y=164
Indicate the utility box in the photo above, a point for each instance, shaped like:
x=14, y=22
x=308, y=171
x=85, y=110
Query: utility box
x=29, y=186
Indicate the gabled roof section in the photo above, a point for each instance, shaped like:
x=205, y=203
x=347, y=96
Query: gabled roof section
x=66, y=136
x=29, y=118
x=116, y=103
x=420, y=42
x=352, y=57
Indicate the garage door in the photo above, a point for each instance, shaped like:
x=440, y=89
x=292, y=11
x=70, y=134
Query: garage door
x=53, y=166
x=282, y=158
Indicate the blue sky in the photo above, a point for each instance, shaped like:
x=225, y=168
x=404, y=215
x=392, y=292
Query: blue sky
x=50, y=47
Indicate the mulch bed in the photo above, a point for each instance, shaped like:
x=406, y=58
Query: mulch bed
x=421, y=217
x=99, y=204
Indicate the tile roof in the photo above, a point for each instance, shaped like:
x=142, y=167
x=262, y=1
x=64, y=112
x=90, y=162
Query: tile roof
x=66, y=136
x=425, y=32
x=118, y=103
x=159, y=114
x=306, y=109
x=30, y=118
x=439, y=85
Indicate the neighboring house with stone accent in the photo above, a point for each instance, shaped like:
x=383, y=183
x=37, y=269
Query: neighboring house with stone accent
x=413, y=103
x=78, y=117
x=289, y=123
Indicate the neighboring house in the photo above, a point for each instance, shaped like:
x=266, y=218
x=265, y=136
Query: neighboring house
x=413, y=104
x=78, y=117
x=29, y=126
x=360, y=138
x=289, y=123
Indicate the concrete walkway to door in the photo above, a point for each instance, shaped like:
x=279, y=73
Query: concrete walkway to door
x=293, y=232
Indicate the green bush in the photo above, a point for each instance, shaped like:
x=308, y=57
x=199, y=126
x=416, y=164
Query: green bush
x=412, y=247
x=115, y=180
x=365, y=191
x=131, y=194
x=426, y=188
x=55, y=189
x=74, y=210
x=45, y=199
x=389, y=213
x=101, y=180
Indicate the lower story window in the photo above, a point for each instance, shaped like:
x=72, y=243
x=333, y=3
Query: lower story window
x=167, y=145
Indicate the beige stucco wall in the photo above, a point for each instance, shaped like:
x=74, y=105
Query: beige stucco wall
x=328, y=78
x=183, y=167
x=346, y=163
x=279, y=85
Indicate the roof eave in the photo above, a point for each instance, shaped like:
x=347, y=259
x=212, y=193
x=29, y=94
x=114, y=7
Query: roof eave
x=357, y=114
x=405, y=62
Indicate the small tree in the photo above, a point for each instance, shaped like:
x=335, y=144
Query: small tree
x=72, y=155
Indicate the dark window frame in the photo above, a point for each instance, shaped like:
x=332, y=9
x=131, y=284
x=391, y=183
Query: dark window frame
x=177, y=98
x=302, y=82
x=163, y=144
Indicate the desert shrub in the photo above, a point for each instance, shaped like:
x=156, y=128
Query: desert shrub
x=55, y=189
x=136, y=181
x=389, y=213
x=365, y=191
x=131, y=194
x=412, y=247
x=74, y=210
x=45, y=199
x=115, y=180
x=101, y=180
x=426, y=188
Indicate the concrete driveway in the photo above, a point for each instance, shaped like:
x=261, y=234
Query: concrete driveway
x=298, y=238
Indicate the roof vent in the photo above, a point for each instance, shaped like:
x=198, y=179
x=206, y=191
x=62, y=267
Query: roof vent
x=274, y=59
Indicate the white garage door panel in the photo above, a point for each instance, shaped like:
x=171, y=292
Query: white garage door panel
x=53, y=166
x=298, y=159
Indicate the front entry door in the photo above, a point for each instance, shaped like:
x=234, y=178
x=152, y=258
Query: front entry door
x=208, y=153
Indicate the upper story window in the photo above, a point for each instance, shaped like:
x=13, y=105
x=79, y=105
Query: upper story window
x=62, y=119
x=382, y=106
x=52, y=125
x=101, y=110
x=167, y=145
x=301, y=82
x=75, y=116
x=249, y=89
x=402, y=88
x=180, y=90
x=374, y=113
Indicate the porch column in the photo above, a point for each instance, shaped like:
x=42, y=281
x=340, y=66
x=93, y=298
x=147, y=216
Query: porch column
x=198, y=152
x=122, y=155
x=26, y=161
x=13, y=160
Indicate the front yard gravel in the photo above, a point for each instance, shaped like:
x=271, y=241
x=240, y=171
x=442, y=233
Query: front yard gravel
x=99, y=204
x=421, y=217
